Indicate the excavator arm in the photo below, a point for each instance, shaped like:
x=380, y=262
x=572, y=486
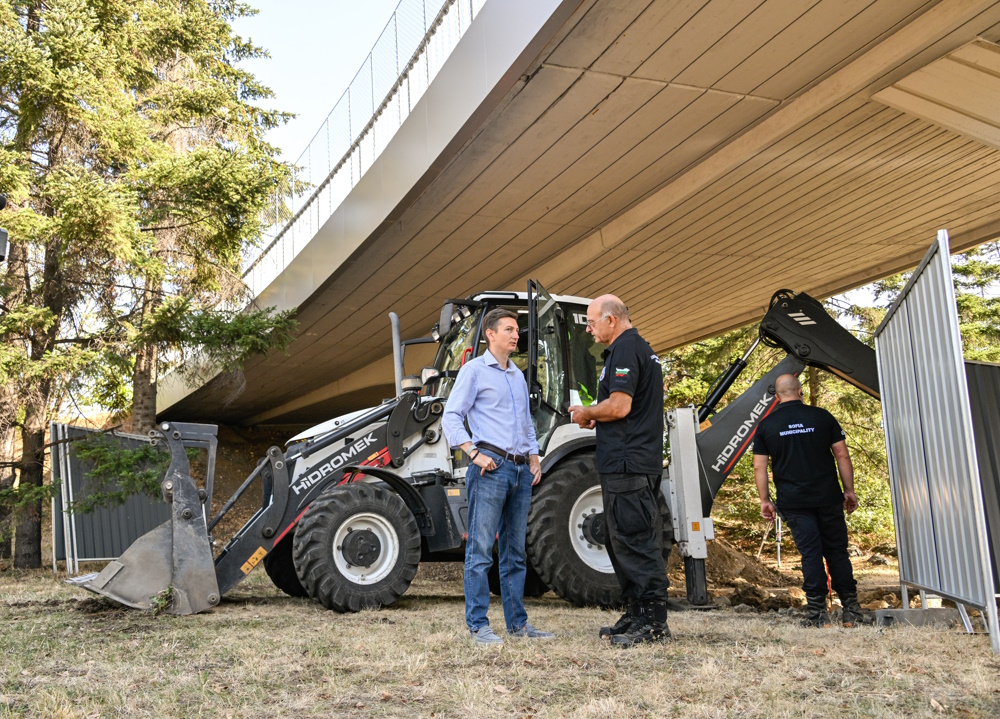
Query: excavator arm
x=802, y=327
x=704, y=447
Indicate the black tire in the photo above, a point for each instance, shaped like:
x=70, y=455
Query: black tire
x=392, y=544
x=281, y=568
x=577, y=570
x=533, y=584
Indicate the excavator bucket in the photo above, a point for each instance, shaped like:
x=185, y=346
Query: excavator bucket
x=170, y=568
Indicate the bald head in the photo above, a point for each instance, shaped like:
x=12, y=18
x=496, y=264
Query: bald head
x=787, y=387
x=611, y=306
x=607, y=318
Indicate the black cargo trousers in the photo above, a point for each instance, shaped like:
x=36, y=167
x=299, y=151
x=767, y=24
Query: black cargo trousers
x=821, y=533
x=634, y=528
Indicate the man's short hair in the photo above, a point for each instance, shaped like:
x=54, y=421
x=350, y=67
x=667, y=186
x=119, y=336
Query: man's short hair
x=614, y=307
x=492, y=319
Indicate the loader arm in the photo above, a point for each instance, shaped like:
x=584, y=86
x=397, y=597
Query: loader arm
x=175, y=559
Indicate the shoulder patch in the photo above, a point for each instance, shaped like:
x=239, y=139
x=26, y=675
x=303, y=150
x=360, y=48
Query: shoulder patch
x=621, y=371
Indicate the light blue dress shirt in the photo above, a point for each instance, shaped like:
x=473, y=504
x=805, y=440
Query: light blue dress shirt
x=495, y=401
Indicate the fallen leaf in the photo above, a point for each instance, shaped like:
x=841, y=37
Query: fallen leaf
x=501, y=689
x=386, y=696
x=936, y=704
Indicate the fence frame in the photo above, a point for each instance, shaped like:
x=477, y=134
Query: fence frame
x=937, y=499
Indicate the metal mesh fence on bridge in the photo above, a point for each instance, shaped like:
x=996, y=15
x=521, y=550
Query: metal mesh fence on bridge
x=415, y=43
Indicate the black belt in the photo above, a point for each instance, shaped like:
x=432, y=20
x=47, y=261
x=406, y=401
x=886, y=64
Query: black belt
x=515, y=458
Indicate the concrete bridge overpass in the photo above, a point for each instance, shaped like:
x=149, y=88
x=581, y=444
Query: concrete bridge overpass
x=690, y=155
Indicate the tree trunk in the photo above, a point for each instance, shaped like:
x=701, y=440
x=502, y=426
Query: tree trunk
x=144, y=373
x=37, y=400
x=11, y=398
x=813, y=386
x=28, y=545
x=6, y=482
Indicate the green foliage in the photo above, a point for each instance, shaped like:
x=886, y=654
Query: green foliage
x=226, y=338
x=117, y=472
x=162, y=601
x=690, y=372
x=17, y=502
x=134, y=159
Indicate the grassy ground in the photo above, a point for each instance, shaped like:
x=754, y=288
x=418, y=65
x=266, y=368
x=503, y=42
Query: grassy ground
x=66, y=653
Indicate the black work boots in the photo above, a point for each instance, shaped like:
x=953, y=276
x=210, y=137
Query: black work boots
x=649, y=625
x=816, y=608
x=624, y=621
x=853, y=615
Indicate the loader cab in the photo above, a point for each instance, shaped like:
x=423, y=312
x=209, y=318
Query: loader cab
x=559, y=358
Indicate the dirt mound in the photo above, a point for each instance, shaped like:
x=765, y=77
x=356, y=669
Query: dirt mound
x=728, y=566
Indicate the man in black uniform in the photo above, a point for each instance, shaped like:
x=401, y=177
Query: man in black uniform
x=807, y=448
x=628, y=416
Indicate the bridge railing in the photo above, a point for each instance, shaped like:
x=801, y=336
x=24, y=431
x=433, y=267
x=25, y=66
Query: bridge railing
x=415, y=43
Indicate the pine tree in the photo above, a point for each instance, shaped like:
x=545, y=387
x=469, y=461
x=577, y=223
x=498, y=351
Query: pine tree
x=135, y=163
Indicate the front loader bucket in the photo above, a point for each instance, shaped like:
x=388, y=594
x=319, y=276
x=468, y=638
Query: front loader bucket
x=171, y=567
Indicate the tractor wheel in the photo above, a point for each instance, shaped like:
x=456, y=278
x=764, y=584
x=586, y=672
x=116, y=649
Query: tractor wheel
x=356, y=547
x=567, y=534
x=533, y=584
x=281, y=569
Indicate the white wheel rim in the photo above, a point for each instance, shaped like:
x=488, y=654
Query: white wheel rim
x=594, y=556
x=386, y=535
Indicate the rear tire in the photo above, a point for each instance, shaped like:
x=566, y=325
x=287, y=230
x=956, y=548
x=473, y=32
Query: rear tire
x=280, y=567
x=533, y=585
x=578, y=570
x=368, y=570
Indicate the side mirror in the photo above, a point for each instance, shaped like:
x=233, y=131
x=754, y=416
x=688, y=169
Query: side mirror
x=444, y=324
x=428, y=374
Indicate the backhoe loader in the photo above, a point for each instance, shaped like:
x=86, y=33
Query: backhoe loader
x=351, y=507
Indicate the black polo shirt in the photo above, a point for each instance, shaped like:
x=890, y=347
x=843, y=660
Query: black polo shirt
x=634, y=443
x=798, y=438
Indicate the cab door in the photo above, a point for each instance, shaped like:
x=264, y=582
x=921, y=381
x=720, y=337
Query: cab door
x=548, y=377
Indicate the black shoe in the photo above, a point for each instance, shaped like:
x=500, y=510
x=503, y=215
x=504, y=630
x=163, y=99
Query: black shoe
x=649, y=626
x=817, y=616
x=853, y=615
x=624, y=622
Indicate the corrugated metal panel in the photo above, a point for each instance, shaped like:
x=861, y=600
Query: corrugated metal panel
x=106, y=532
x=984, y=400
x=937, y=498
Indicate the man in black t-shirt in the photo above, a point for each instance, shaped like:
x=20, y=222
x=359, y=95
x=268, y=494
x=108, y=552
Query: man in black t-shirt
x=807, y=448
x=628, y=416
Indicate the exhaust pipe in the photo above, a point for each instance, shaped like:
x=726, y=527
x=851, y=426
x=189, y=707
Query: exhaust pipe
x=397, y=353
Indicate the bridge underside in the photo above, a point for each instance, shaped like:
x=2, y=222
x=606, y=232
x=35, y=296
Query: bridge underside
x=691, y=157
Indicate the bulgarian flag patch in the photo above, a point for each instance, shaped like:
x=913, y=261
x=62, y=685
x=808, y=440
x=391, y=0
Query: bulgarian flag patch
x=621, y=372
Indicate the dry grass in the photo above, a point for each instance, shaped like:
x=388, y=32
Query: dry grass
x=66, y=653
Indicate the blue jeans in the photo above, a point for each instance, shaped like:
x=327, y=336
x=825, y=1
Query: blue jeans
x=498, y=502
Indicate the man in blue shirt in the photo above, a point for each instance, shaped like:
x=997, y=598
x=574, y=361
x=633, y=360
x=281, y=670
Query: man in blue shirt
x=491, y=393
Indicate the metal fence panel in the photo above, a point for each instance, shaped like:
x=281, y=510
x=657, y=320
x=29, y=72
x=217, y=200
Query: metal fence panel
x=937, y=496
x=104, y=533
x=984, y=399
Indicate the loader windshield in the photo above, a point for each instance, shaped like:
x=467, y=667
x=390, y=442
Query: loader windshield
x=455, y=349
